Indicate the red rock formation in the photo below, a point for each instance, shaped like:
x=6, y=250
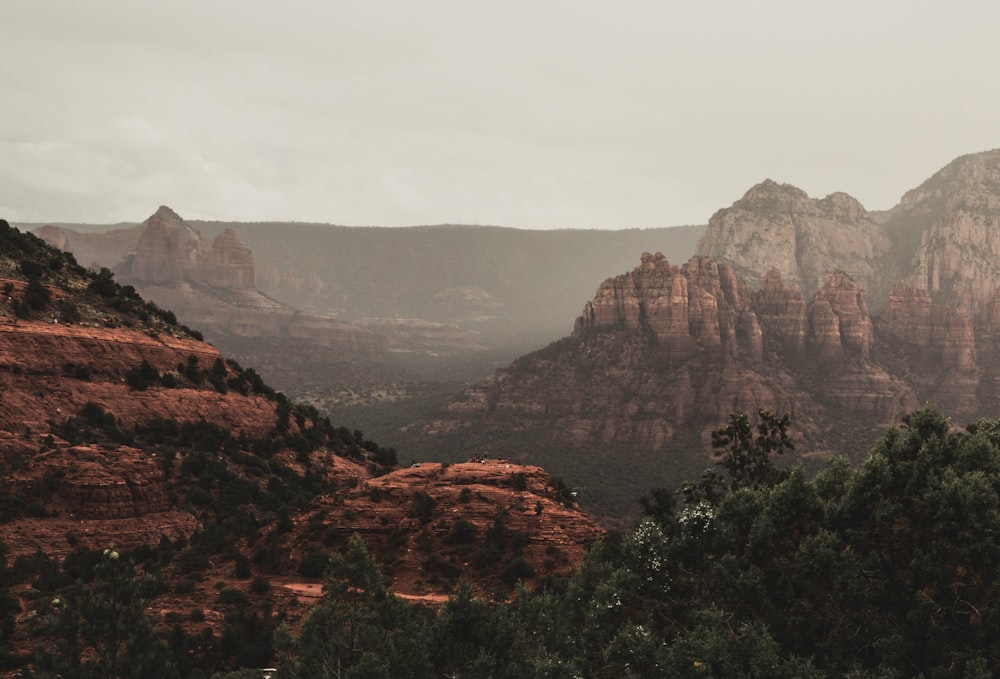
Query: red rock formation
x=939, y=343
x=167, y=250
x=228, y=263
x=840, y=325
x=625, y=376
x=782, y=313
x=38, y=362
x=524, y=498
x=702, y=304
x=777, y=226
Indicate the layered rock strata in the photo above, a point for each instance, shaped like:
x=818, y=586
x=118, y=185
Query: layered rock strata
x=665, y=347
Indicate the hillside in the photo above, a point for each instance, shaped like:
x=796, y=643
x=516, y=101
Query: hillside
x=121, y=430
x=367, y=324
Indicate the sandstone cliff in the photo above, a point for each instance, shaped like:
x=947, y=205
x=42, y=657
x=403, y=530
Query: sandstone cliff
x=934, y=291
x=665, y=348
x=777, y=226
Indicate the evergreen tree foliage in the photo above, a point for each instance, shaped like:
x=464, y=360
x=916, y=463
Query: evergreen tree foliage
x=888, y=569
x=102, y=630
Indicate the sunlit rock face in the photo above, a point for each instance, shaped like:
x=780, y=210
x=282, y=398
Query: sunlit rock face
x=778, y=227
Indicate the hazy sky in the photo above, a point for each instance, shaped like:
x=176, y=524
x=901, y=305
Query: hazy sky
x=534, y=114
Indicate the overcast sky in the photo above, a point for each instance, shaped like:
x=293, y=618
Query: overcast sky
x=533, y=114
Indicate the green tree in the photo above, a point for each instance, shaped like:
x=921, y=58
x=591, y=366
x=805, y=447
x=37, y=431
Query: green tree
x=747, y=457
x=102, y=629
x=360, y=629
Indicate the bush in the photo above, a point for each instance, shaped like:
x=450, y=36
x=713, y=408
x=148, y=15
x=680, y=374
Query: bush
x=233, y=597
x=313, y=564
x=517, y=569
x=462, y=532
x=141, y=376
x=422, y=506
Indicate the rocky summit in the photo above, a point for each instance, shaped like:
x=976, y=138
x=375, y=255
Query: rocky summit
x=846, y=319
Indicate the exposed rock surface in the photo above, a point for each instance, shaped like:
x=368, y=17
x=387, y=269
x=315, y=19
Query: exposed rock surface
x=41, y=365
x=777, y=226
x=427, y=554
x=665, y=349
x=934, y=291
x=951, y=226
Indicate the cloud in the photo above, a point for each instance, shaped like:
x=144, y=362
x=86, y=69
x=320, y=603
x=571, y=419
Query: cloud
x=521, y=113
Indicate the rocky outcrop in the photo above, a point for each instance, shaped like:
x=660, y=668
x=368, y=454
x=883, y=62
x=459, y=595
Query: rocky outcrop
x=939, y=343
x=782, y=313
x=167, y=250
x=228, y=263
x=666, y=349
x=702, y=305
x=935, y=290
x=777, y=226
x=47, y=371
x=839, y=323
x=475, y=494
x=211, y=286
x=948, y=229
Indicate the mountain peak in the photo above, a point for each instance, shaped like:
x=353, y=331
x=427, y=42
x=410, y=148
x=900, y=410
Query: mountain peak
x=166, y=214
x=769, y=194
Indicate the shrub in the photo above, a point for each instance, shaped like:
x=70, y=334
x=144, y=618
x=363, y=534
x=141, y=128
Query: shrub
x=233, y=597
x=422, y=506
x=518, y=481
x=313, y=564
x=462, y=532
x=517, y=569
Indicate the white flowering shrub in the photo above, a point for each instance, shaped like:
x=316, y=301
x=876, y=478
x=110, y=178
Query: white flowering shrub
x=696, y=520
x=648, y=549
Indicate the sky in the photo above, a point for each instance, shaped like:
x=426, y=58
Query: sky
x=521, y=113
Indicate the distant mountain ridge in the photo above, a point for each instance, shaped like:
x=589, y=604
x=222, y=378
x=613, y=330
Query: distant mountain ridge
x=792, y=304
x=372, y=315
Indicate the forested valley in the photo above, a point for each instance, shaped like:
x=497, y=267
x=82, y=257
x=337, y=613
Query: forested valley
x=886, y=569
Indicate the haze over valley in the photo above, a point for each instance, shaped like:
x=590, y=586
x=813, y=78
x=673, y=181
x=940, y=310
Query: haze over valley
x=446, y=339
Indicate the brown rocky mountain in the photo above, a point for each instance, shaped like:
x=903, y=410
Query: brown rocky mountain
x=209, y=285
x=390, y=321
x=120, y=428
x=777, y=226
x=842, y=318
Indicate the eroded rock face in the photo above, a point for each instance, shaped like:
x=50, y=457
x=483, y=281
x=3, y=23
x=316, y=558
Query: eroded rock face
x=940, y=343
x=209, y=286
x=228, y=263
x=665, y=349
x=777, y=226
x=840, y=325
x=951, y=225
x=782, y=313
x=701, y=305
x=475, y=493
x=930, y=267
x=48, y=371
x=167, y=250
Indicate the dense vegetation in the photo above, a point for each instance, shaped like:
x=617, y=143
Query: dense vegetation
x=887, y=569
x=884, y=570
